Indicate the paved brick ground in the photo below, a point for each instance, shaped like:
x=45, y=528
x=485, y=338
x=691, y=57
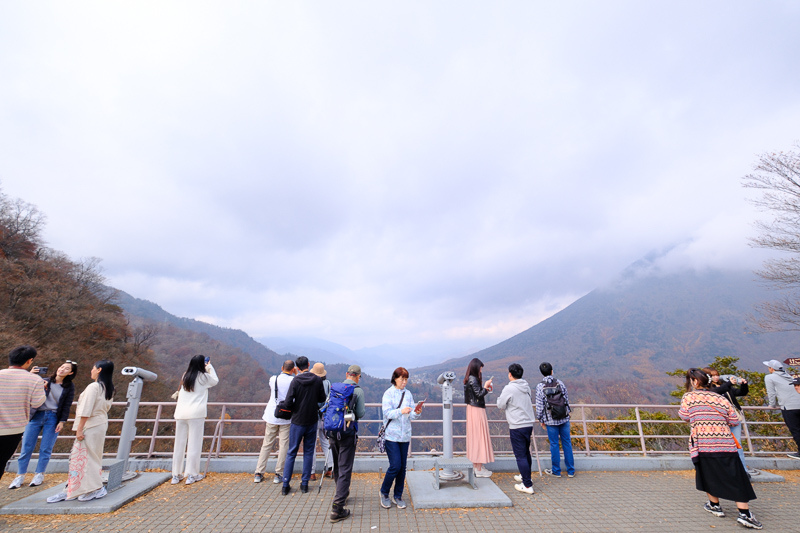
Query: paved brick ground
x=592, y=501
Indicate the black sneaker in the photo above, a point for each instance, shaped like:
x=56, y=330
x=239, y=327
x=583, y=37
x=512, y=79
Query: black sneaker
x=716, y=510
x=304, y=488
x=286, y=489
x=749, y=521
x=258, y=478
x=549, y=472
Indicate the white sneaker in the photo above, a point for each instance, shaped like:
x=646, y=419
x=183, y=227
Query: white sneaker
x=483, y=473
x=38, y=479
x=60, y=497
x=17, y=483
x=518, y=478
x=99, y=493
x=175, y=480
x=522, y=488
x=191, y=479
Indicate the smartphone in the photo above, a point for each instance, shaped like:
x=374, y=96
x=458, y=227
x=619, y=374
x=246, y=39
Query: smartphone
x=208, y=360
x=418, y=408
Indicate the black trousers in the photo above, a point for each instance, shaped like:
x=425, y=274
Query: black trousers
x=792, y=419
x=344, y=454
x=8, y=445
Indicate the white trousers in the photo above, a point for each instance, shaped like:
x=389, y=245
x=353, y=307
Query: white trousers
x=188, y=441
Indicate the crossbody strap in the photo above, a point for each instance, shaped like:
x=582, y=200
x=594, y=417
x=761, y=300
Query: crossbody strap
x=398, y=407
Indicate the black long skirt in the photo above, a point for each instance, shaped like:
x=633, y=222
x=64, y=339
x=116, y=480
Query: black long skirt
x=723, y=476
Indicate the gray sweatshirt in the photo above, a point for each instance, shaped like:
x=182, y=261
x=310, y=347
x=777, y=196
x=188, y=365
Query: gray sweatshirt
x=516, y=401
x=781, y=391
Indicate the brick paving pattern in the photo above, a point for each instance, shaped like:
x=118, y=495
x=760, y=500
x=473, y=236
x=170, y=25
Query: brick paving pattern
x=592, y=501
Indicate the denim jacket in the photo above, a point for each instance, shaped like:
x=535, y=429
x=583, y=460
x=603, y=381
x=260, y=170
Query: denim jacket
x=400, y=428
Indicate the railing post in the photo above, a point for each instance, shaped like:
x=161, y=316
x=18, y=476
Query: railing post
x=221, y=430
x=585, y=429
x=747, y=436
x=155, y=432
x=641, y=431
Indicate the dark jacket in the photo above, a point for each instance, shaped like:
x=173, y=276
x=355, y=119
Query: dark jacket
x=65, y=403
x=731, y=391
x=474, y=393
x=305, y=394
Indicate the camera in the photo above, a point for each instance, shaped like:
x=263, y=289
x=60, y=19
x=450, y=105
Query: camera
x=135, y=371
x=42, y=370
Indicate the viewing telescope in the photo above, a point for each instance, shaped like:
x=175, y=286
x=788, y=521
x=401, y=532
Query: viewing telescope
x=135, y=371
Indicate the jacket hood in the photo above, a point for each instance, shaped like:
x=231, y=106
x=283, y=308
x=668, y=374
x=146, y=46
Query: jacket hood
x=522, y=385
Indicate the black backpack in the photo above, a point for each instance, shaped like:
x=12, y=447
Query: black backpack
x=554, y=399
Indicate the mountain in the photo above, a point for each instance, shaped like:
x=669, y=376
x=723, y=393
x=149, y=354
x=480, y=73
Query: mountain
x=313, y=348
x=616, y=343
x=266, y=358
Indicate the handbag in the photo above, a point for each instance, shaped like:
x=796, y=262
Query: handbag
x=282, y=411
x=382, y=431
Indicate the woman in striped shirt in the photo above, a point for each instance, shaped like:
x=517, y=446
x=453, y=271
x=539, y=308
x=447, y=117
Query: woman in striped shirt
x=714, y=450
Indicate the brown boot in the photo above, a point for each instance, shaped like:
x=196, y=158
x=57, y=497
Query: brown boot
x=313, y=477
x=339, y=513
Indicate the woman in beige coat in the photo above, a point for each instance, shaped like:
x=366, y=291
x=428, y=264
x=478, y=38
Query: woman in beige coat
x=91, y=423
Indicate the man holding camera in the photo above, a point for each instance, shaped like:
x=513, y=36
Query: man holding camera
x=781, y=393
x=20, y=391
x=305, y=394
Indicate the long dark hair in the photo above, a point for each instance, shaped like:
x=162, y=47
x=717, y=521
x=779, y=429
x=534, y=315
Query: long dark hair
x=197, y=366
x=699, y=375
x=474, y=369
x=106, y=373
x=69, y=377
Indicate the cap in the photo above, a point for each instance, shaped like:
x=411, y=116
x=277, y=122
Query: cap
x=774, y=364
x=796, y=382
x=354, y=369
x=319, y=369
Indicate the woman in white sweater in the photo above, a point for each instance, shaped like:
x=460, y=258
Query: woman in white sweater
x=190, y=417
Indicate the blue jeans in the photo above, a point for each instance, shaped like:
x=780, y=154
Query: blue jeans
x=521, y=444
x=308, y=436
x=554, y=434
x=43, y=422
x=398, y=455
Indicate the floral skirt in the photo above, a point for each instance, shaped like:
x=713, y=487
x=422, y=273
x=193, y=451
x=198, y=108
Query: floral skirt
x=86, y=462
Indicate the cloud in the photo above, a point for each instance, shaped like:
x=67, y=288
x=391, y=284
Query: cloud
x=397, y=172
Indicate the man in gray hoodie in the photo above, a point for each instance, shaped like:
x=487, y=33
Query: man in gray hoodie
x=516, y=401
x=781, y=393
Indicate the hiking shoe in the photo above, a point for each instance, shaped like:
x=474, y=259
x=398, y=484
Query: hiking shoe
x=793, y=455
x=339, y=513
x=17, y=483
x=385, y=501
x=716, y=510
x=549, y=472
x=304, y=488
x=749, y=521
x=518, y=478
x=313, y=477
x=99, y=493
x=277, y=479
x=483, y=473
x=38, y=479
x=192, y=479
x=258, y=478
x=175, y=480
x=60, y=497
x=522, y=488
x=399, y=502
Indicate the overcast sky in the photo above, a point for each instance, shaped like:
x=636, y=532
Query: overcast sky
x=391, y=172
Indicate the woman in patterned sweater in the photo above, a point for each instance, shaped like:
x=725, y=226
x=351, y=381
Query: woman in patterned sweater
x=714, y=450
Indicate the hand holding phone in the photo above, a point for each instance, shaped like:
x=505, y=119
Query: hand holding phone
x=208, y=360
x=418, y=408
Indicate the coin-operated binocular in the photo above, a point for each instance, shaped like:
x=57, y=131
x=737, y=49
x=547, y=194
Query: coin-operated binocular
x=140, y=375
x=446, y=379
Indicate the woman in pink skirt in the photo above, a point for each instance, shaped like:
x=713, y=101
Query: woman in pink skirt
x=479, y=443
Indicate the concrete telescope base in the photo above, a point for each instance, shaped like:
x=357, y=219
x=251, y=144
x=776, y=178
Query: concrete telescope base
x=453, y=494
x=130, y=490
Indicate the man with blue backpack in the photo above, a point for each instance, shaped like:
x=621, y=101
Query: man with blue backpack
x=345, y=407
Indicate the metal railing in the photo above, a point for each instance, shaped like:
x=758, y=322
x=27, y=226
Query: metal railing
x=597, y=429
